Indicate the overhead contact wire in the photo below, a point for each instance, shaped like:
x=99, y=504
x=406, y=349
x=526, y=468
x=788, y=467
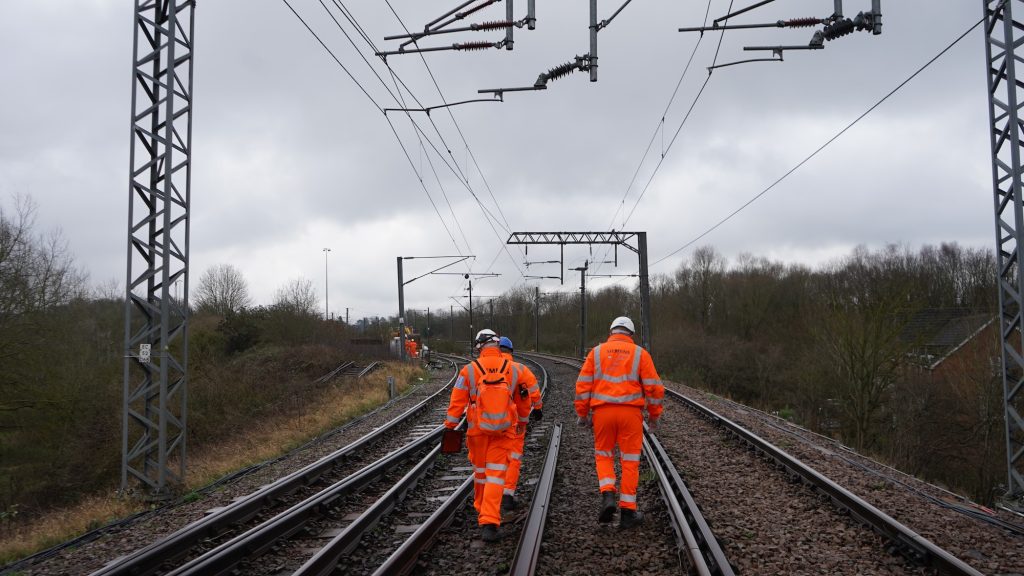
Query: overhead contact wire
x=381, y=110
x=659, y=127
x=508, y=227
x=458, y=128
x=823, y=146
x=457, y=171
x=681, y=125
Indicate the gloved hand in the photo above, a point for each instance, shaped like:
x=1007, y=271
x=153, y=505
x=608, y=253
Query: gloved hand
x=652, y=424
x=536, y=415
x=583, y=421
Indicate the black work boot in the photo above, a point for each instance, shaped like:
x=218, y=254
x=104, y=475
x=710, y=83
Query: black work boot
x=629, y=518
x=508, y=503
x=608, y=506
x=490, y=533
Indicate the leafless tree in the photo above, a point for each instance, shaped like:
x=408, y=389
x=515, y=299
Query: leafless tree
x=298, y=297
x=867, y=304
x=707, y=268
x=222, y=289
x=36, y=273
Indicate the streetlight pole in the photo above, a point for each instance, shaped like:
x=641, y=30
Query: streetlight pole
x=327, y=297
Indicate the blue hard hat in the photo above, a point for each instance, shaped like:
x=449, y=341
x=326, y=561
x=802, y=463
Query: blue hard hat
x=505, y=343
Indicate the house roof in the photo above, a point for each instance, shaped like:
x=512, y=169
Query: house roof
x=938, y=332
x=942, y=327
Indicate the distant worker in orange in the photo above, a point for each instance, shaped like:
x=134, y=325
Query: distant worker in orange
x=483, y=391
x=410, y=348
x=617, y=380
x=526, y=394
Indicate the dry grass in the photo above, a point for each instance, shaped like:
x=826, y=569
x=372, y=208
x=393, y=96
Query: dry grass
x=265, y=439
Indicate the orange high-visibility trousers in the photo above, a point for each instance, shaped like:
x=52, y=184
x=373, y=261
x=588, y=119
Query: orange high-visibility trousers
x=622, y=425
x=515, y=460
x=490, y=456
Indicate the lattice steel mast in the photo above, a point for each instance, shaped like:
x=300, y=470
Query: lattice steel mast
x=154, y=407
x=1004, y=35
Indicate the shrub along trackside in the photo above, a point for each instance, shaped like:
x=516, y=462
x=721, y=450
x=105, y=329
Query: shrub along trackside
x=244, y=409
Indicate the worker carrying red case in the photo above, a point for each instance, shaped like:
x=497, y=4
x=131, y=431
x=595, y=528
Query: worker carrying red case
x=451, y=441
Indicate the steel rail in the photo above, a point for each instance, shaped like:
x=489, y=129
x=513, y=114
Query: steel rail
x=403, y=560
x=692, y=531
x=369, y=368
x=334, y=372
x=912, y=545
x=693, y=534
x=224, y=558
x=326, y=560
x=524, y=562
x=148, y=559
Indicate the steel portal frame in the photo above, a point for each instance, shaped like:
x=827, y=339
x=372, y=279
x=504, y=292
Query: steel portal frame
x=613, y=238
x=155, y=391
x=1004, y=36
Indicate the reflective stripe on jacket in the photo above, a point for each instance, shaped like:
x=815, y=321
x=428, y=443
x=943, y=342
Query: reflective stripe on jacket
x=619, y=372
x=464, y=393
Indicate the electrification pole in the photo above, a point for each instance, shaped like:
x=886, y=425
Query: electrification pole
x=583, y=307
x=536, y=319
x=1006, y=97
x=401, y=311
x=154, y=407
x=645, y=291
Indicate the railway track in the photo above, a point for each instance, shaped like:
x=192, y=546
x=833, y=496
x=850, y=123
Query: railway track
x=322, y=534
x=896, y=537
x=339, y=469
x=390, y=503
x=694, y=536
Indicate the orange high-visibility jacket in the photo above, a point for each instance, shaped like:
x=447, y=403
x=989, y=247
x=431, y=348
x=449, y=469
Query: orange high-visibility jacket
x=523, y=380
x=465, y=391
x=619, y=372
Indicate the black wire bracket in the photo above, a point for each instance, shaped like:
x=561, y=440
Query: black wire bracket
x=833, y=27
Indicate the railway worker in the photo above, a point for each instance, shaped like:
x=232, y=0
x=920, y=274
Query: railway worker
x=483, y=391
x=526, y=393
x=410, y=347
x=617, y=380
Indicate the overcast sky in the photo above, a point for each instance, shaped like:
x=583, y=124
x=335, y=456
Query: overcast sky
x=291, y=157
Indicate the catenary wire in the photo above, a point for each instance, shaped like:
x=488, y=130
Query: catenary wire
x=457, y=170
x=508, y=227
x=452, y=116
x=658, y=127
x=681, y=125
x=379, y=108
x=487, y=215
x=437, y=177
x=823, y=146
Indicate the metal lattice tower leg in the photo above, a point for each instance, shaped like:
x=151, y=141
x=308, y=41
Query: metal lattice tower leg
x=154, y=415
x=1004, y=37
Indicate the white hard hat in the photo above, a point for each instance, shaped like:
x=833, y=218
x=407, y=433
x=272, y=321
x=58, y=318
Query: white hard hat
x=622, y=322
x=484, y=336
